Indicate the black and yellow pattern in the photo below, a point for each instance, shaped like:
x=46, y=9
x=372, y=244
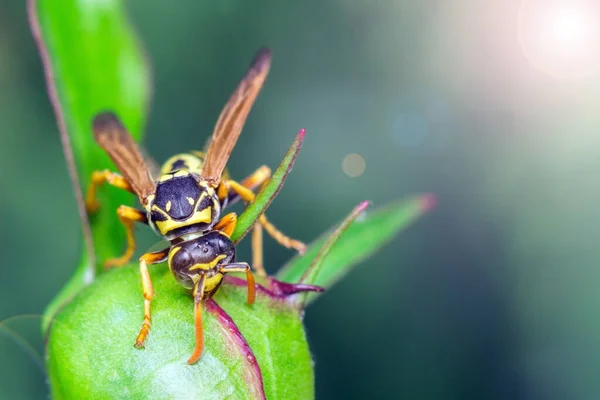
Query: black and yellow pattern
x=184, y=204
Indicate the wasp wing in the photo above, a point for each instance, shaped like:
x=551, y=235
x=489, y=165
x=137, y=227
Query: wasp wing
x=112, y=136
x=232, y=118
x=153, y=165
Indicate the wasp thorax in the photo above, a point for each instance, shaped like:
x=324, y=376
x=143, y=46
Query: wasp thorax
x=203, y=255
x=182, y=204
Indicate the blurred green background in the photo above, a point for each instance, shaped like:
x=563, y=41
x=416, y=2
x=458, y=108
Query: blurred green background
x=493, y=295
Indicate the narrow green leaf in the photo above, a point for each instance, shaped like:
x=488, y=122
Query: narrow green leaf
x=92, y=62
x=362, y=238
x=264, y=198
x=312, y=271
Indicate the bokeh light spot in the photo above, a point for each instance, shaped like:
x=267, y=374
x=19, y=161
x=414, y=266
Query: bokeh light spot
x=561, y=37
x=354, y=165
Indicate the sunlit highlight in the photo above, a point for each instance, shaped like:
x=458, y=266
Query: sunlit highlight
x=561, y=37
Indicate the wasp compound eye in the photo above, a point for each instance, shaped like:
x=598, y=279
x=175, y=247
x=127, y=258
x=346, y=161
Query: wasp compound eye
x=180, y=261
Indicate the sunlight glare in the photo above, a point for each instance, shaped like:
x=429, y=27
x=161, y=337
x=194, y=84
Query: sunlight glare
x=561, y=37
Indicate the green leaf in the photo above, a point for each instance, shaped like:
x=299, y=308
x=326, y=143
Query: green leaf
x=362, y=238
x=92, y=62
x=264, y=198
x=312, y=271
x=90, y=350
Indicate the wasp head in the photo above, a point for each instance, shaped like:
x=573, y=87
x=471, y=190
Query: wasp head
x=203, y=255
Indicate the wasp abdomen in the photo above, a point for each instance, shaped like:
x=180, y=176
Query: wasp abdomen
x=187, y=161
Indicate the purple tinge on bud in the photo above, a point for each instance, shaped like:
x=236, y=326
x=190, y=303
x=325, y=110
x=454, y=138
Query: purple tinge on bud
x=252, y=373
x=276, y=289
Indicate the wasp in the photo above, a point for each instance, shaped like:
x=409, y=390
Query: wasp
x=184, y=204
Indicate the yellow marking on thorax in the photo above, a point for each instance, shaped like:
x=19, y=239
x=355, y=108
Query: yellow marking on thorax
x=201, y=216
x=170, y=175
x=168, y=206
x=148, y=200
x=208, y=266
x=165, y=177
x=190, y=200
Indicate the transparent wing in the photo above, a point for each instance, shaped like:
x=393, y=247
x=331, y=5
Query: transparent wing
x=232, y=118
x=153, y=165
x=112, y=136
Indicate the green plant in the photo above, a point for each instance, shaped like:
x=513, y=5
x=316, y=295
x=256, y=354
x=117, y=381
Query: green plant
x=93, y=62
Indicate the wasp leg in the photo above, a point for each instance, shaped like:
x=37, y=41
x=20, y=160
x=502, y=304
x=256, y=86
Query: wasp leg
x=226, y=224
x=257, y=239
x=258, y=178
x=148, y=258
x=257, y=250
x=99, y=178
x=248, y=196
x=198, y=296
x=128, y=216
x=281, y=238
x=242, y=267
x=227, y=196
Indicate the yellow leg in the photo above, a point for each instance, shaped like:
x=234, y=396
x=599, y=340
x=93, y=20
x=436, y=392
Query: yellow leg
x=257, y=250
x=280, y=237
x=148, y=258
x=242, y=267
x=223, y=190
x=198, y=296
x=248, y=196
x=257, y=178
x=128, y=216
x=257, y=240
x=99, y=178
x=226, y=224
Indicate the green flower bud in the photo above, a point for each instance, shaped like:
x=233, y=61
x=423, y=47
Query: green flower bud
x=251, y=351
